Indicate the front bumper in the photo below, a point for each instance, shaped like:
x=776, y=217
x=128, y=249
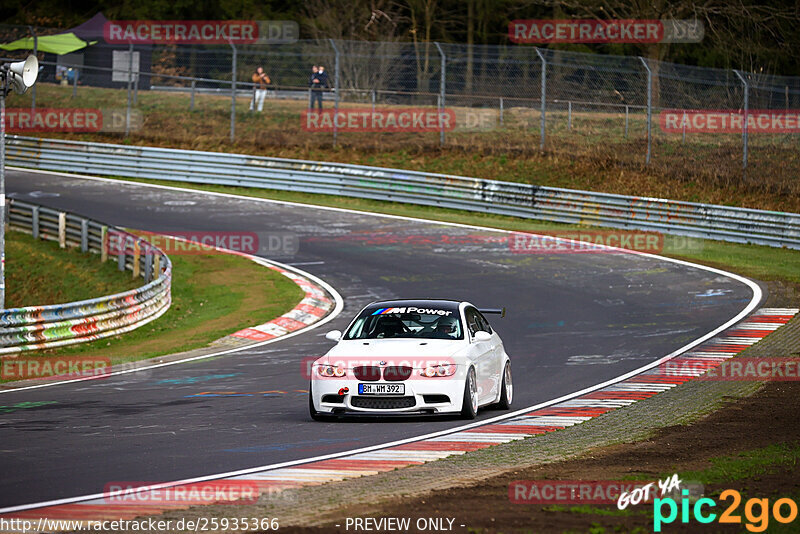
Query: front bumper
x=422, y=396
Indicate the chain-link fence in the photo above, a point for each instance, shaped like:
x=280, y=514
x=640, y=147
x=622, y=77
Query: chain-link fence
x=505, y=99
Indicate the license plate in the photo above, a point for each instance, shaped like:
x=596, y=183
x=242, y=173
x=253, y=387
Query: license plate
x=381, y=389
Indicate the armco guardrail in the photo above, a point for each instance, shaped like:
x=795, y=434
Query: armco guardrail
x=41, y=327
x=488, y=196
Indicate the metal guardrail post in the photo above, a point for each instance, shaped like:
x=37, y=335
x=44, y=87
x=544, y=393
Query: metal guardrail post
x=442, y=92
x=84, y=235
x=744, y=123
x=62, y=229
x=103, y=244
x=35, y=222
x=544, y=99
x=130, y=80
x=233, y=92
x=335, y=89
x=135, y=268
x=121, y=254
x=649, y=107
x=148, y=264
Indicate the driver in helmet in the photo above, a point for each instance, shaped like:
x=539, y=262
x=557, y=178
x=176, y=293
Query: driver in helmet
x=446, y=328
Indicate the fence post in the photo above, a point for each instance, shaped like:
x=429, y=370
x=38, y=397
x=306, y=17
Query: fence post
x=35, y=222
x=121, y=254
x=442, y=93
x=569, y=115
x=501, y=111
x=84, y=235
x=136, y=260
x=684, y=120
x=148, y=264
x=544, y=99
x=191, y=102
x=136, y=89
x=62, y=229
x=649, y=107
x=103, y=244
x=626, y=121
x=744, y=126
x=373, y=100
x=233, y=92
x=74, y=83
x=130, y=79
x=335, y=89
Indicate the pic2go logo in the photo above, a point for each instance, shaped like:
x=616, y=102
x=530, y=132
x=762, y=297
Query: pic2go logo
x=756, y=511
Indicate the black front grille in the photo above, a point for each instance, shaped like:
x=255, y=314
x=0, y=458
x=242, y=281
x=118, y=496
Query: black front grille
x=397, y=373
x=433, y=399
x=383, y=403
x=367, y=373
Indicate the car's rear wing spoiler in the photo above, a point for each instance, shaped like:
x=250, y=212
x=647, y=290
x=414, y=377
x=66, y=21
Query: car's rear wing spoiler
x=498, y=311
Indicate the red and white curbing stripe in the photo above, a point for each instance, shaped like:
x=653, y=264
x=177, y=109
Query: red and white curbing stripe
x=314, y=306
x=555, y=417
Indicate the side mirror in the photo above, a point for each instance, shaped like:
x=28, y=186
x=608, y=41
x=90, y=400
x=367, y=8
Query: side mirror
x=334, y=335
x=482, y=335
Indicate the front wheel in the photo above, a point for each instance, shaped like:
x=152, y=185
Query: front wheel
x=469, y=408
x=315, y=415
x=506, y=389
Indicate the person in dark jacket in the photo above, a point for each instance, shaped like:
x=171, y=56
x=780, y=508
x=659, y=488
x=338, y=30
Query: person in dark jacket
x=318, y=82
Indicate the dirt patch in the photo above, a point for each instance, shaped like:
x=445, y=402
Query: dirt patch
x=767, y=418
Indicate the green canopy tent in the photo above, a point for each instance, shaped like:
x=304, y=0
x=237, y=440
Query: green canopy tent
x=60, y=44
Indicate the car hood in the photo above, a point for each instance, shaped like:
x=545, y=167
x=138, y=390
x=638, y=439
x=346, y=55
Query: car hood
x=394, y=349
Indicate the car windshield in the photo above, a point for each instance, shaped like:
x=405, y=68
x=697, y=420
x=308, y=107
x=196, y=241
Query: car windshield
x=385, y=323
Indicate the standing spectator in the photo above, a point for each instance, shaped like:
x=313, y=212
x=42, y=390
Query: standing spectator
x=260, y=89
x=318, y=82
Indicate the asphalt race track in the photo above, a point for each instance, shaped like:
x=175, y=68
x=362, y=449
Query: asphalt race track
x=573, y=320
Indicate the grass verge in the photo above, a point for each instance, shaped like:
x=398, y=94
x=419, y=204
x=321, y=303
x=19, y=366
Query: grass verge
x=212, y=295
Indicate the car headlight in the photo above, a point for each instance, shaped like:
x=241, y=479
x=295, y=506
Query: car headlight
x=330, y=371
x=434, y=371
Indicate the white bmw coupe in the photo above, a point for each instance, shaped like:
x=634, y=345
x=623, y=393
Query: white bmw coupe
x=410, y=357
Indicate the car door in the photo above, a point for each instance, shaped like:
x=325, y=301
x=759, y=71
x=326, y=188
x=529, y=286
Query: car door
x=482, y=356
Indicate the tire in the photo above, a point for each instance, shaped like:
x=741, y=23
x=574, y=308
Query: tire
x=315, y=415
x=469, y=408
x=506, y=389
